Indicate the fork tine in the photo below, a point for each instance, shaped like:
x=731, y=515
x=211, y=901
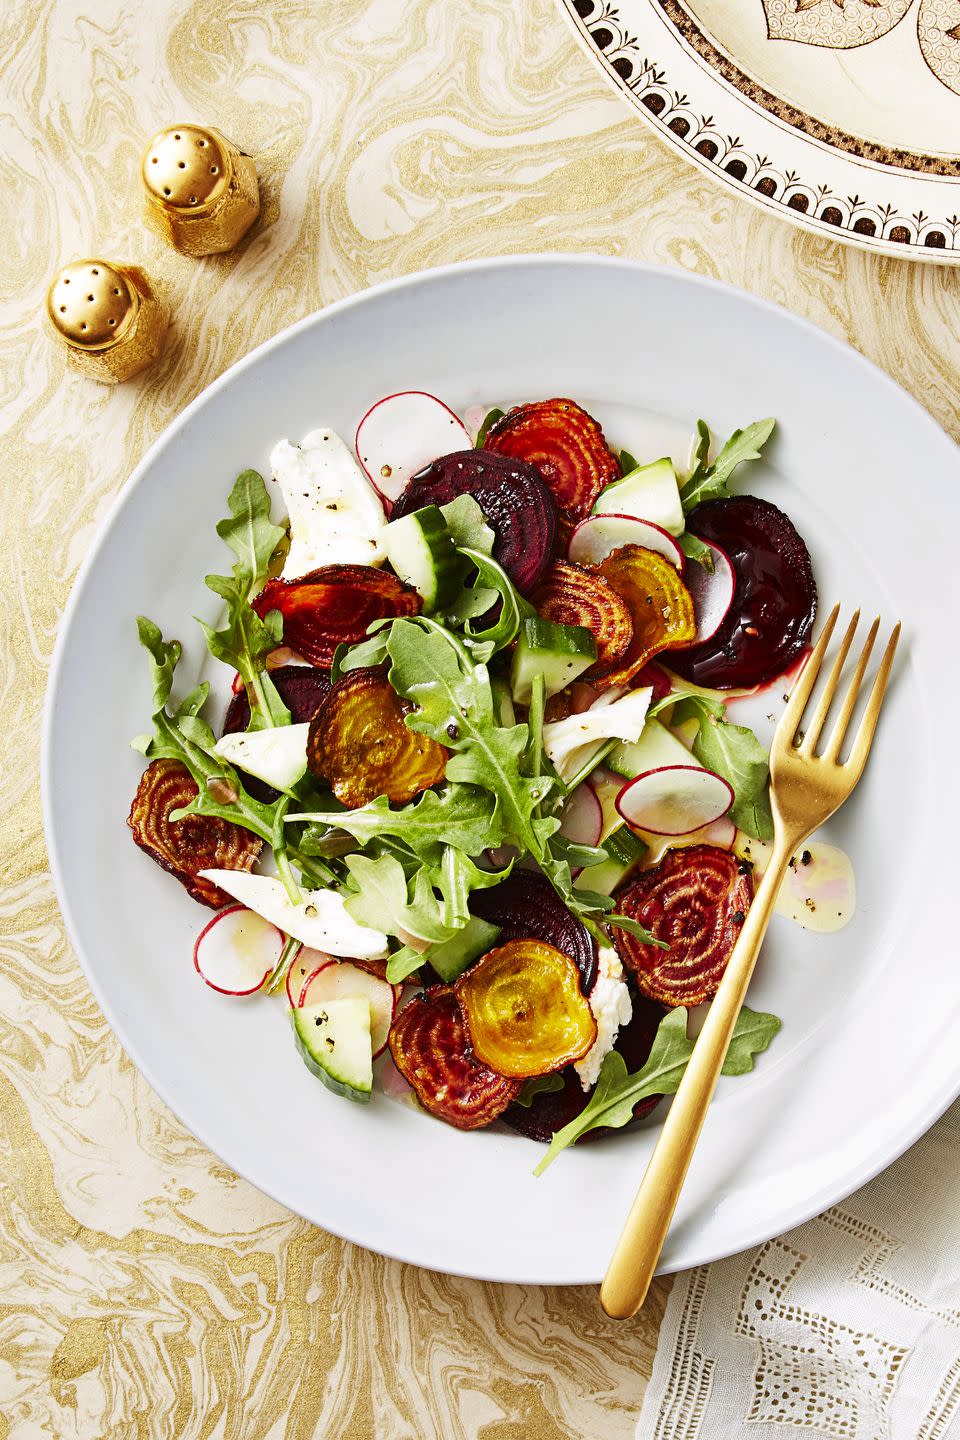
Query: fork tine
x=812, y=734
x=805, y=681
x=864, y=736
x=839, y=730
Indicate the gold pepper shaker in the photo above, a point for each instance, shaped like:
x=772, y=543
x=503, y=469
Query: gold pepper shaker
x=201, y=192
x=108, y=318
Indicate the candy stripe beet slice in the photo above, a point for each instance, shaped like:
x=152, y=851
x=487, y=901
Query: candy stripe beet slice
x=774, y=605
x=696, y=900
x=334, y=606
x=359, y=743
x=526, y=907
x=429, y=1046
x=567, y=447
x=572, y=594
x=303, y=689
x=513, y=497
x=548, y=1112
x=198, y=842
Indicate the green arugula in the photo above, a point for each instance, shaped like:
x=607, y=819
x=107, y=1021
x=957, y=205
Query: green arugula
x=513, y=608
x=617, y=1092
x=539, y=1085
x=246, y=640
x=426, y=902
x=628, y=462
x=711, y=481
x=731, y=751
x=695, y=549
x=369, y=652
x=489, y=420
x=460, y=815
x=468, y=525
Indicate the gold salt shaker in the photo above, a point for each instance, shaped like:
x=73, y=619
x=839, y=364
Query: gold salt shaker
x=201, y=192
x=107, y=317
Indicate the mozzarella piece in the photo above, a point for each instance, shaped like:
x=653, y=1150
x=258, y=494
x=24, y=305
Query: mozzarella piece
x=570, y=742
x=320, y=920
x=277, y=756
x=335, y=514
x=612, y=1007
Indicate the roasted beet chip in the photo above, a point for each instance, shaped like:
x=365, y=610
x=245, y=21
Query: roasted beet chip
x=334, y=606
x=303, y=689
x=578, y=595
x=358, y=742
x=696, y=900
x=198, y=842
x=565, y=445
x=526, y=906
x=659, y=602
x=549, y=1111
x=774, y=604
x=516, y=503
x=429, y=1046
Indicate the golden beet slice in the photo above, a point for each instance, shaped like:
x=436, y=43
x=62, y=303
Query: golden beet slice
x=525, y=1011
x=572, y=594
x=359, y=744
x=660, y=603
x=429, y=1046
x=198, y=842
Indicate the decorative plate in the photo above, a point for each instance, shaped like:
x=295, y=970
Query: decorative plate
x=842, y=115
x=867, y=1057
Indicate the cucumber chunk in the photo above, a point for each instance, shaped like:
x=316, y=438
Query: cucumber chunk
x=655, y=748
x=451, y=957
x=334, y=1042
x=557, y=652
x=650, y=492
x=421, y=550
x=624, y=850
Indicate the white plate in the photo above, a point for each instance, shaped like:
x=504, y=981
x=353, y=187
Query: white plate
x=867, y=1057
x=839, y=115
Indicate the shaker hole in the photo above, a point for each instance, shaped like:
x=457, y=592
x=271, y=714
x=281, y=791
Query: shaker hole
x=66, y=279
x=154, y=160
x=116, y=290
x=193, y=199
x=83, y=324
x=63, y=309
x=111, y=322
x=89, y=297
x=176, y=137
x=94, y=271
x=166, y=189
x=181, y=164
x=214, y=169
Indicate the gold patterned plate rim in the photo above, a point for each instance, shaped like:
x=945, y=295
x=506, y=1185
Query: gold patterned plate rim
x=792, y=159
x=831, y=1104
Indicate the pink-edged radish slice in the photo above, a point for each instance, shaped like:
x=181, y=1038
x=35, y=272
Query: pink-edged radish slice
x=674, y=799
x=712, y=593
x=237, y=951
x=401, y=434
x=599, y=535
x=581, y=819
x=305, y=963
x=339, y=980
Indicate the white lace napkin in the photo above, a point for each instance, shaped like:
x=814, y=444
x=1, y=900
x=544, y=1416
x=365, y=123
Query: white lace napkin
x=847, y=1328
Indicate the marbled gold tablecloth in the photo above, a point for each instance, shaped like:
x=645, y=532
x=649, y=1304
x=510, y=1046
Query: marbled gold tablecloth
x=146, y=1290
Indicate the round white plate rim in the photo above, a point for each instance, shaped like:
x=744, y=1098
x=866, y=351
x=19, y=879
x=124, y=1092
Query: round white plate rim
x=843, y=235
x=816, y=1200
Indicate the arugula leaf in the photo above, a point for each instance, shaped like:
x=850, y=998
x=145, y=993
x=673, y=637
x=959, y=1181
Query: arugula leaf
x=468, y=524
x=628, y=462
x=711, y=481
x=246, y=640
x=489, y=420
x=513, y=607
x=386, y=900
x=372, y=651
x=734, y=752
x=633, y=927
x=403, y=963
x=539, y=1085
x=695, y=549
x=459, y=815
x=617, y=1092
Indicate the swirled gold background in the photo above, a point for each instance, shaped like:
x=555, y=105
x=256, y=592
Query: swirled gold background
x=146, y=1290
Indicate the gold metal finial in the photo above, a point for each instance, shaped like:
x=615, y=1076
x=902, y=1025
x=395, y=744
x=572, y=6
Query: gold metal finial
x=108, y=318
x=201, y=191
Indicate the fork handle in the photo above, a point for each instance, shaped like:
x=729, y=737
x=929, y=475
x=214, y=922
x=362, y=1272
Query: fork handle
x=634, y=1260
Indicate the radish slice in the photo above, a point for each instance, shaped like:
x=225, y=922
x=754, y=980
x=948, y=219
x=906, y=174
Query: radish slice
x=581, y=820
x=712, y=593
x=305, y=963
x=237, y=951
x=674, y=799
x=401, y=434
x=339, y=980
x=599, y=535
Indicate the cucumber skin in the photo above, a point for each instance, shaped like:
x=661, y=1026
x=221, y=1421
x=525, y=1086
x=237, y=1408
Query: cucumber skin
x=339, y=1087
x=560, y=662
x=441, y=562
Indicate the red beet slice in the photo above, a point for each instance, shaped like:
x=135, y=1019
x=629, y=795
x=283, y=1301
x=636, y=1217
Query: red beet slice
x=511, y=494
x=303, y=689
x=696, y=900
x=428, y=1042
x=548, y=1112
x=572, y=594
x=334, y=606
x=526, y=907
x=774, y=604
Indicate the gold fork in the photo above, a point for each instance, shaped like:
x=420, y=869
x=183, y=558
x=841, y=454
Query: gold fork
x=806, y=788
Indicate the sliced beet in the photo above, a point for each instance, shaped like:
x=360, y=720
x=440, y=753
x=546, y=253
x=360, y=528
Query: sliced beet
x=303, y=689
x=770, y=620
x=515, y=500
x=549, y=1111
x=526, y=907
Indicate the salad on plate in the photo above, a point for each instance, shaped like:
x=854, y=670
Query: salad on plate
x=477, y=809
